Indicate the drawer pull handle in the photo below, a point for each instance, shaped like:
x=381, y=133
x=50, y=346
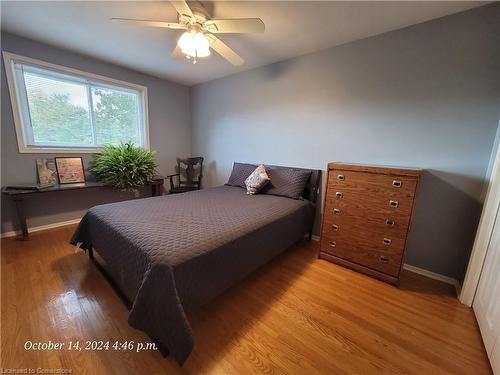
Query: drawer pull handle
x=340, y=177
x=336, y=211
x=393, y=203
x=387, y=241
x=396, y=183
x=333, y=243
x=338, y=194
x=390, y=222
x=383, y=258
x=335, y=227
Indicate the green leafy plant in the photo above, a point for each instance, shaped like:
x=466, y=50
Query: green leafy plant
x=126, y=167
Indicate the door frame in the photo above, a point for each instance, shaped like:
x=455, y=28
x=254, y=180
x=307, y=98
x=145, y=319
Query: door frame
x=484, y=232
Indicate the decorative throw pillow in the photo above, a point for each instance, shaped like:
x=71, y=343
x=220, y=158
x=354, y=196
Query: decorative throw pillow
x=240, y=173
x=257, y=180
x=287, y=182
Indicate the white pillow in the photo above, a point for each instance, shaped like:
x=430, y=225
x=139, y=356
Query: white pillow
x=257, y=180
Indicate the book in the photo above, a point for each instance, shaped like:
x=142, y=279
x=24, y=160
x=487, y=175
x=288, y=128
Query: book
x=23, y=187
x=34, y=187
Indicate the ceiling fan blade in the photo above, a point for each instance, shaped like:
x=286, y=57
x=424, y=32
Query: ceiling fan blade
x=224, y=50
x=237, y=25
x=182, y=8
x=168, y=25
x=177, y=53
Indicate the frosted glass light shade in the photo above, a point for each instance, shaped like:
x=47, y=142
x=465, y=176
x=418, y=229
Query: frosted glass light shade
x=194, y=44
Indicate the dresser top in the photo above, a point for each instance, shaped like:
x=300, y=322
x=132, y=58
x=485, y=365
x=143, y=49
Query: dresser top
x=411, y=172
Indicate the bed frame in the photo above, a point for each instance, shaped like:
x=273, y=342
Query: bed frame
x=311, y=192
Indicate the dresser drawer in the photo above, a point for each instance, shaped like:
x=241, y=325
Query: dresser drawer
x=373, y=257
x=367, y=238
x=357, y=203
x=389, y=227
x=373, y=183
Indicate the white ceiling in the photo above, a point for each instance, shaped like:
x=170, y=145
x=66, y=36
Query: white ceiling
x=293, y=28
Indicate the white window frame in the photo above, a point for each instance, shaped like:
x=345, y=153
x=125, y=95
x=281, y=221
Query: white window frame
x=15, y=97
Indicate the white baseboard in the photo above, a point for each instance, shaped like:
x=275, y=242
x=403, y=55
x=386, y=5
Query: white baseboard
x=421, y=271
x=41, y=227
x=435, y=276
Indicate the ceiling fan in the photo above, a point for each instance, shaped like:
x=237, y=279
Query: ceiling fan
x=199, y=28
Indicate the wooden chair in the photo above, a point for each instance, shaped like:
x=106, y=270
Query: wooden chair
x=189, y=175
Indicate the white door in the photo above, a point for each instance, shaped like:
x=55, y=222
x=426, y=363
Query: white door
x=495, y=357
x=487, y=300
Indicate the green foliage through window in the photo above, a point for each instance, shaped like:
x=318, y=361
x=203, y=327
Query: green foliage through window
x=62, y=110
x=115, y=113
x=55, y=120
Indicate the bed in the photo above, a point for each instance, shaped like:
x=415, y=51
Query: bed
x=167, y=255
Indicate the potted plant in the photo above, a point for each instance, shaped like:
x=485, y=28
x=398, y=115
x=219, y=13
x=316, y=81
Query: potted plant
x=125, y=167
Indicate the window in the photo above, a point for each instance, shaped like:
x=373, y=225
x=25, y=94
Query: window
x=58, y=109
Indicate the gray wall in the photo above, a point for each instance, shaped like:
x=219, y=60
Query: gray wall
x=169, y=128
x=425, y=96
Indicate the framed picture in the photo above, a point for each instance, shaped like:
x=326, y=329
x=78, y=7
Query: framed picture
x=70, y=170
x=46, y=172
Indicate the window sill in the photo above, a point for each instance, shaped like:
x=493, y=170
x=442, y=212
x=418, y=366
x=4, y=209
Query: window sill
x=61, y=150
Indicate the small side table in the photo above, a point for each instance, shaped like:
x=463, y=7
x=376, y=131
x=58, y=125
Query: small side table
x=19, y=196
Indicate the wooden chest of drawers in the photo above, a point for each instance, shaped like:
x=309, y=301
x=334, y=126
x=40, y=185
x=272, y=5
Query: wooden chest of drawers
x=366, y=218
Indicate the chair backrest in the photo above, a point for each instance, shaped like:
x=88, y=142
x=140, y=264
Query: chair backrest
x=190, y=171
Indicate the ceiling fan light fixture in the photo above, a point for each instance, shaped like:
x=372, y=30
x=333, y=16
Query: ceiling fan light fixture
x=201, y=30
x=194, y=44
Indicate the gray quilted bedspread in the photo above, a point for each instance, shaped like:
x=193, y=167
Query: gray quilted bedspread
x=170, y=254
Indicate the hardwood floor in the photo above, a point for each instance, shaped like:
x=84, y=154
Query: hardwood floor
x=296, y=315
